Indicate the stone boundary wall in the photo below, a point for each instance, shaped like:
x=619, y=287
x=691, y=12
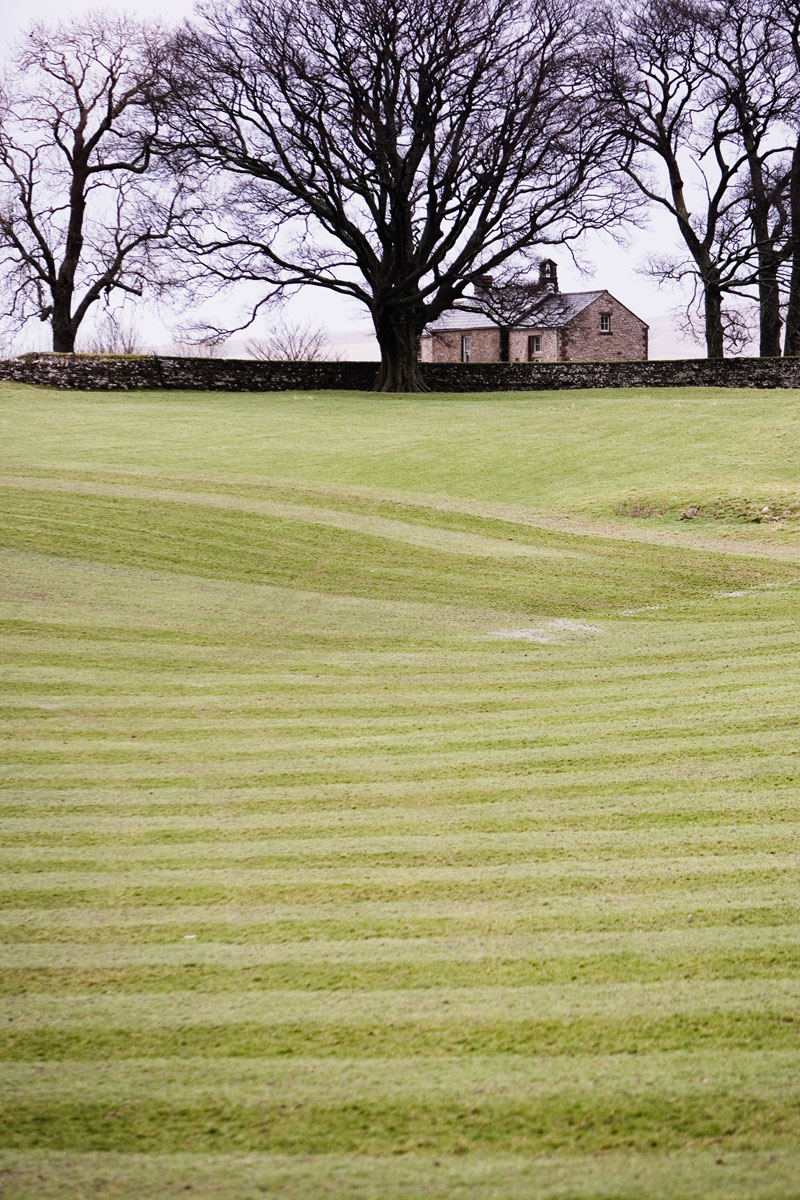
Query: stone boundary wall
x=155, y=373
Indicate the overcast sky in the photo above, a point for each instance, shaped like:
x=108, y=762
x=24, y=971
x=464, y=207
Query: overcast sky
x=606, y=265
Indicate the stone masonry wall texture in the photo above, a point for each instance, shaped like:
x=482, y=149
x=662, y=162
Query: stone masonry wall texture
x=518, y=344
x=242, y=375
x=582, y=338
x=446, y=346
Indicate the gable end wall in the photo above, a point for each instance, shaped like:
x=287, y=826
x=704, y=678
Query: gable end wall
x=582, y=341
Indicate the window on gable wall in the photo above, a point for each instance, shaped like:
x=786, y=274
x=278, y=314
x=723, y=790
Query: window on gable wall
x=605, y=322
x=466, y=348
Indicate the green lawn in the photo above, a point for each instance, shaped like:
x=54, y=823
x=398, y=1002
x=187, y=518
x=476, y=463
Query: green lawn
x=398, y=799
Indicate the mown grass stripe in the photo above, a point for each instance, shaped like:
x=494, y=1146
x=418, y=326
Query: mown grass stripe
x=433, y=974
x=226, y=888
x=506, y=822
x=567, y=1002
x=743, y=903
x=758, y=1030
x=691, y=1175
x=539, y=875
x=682, y=943
x=455, y=1078
x=263, y=849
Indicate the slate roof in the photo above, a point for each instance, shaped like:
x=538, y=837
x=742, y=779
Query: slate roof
x=551, y=311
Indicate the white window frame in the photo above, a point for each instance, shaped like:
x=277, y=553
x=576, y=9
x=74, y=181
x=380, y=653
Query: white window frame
x=605, y=322
x=466, y=347
x=534, y=346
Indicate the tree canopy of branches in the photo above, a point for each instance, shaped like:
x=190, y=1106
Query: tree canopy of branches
x=391, y=150
x=78, y=123
x=704, y=88
x=749, y=70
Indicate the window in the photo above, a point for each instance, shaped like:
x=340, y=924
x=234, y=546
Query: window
x=534, y=345
x=605, y=322
x=466, y=348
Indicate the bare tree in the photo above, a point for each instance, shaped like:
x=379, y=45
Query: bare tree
x=78, y=217
x=115, y=334
x=287, y=342
x=391, y=150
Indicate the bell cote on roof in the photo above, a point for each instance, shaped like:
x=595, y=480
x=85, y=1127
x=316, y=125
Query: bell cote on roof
x=548, y=276
x=547, y=283
x=482, y=286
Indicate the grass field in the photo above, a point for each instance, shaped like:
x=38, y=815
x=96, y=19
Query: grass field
x=398, y=799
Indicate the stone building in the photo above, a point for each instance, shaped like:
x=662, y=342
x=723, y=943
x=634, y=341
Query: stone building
x=536, y=322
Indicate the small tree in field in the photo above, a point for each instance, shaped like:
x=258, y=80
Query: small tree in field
x=390, y=150
x=80, y=215
x=292, y=342
x=115, y=334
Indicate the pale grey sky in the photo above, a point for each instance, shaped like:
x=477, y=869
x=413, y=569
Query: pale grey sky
x=607, y=265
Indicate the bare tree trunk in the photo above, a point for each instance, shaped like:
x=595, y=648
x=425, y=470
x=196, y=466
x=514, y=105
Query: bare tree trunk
x=399, y=370
x=715, y=344
x=791, y=346
x=63, y=335
x=792, y=342
x=769, y=302
x=64, y=329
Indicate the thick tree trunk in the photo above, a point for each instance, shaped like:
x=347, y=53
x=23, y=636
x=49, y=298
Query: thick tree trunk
x=699, y=250
x=792, y=342
x=791, y=345
x=769, y=303
x=63, y=327
x=769, y=300
x=399, y=342
x=715, y=343
x=761, y=206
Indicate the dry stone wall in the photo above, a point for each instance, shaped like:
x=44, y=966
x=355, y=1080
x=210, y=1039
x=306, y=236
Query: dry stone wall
x=658, y=373
x=156, y=373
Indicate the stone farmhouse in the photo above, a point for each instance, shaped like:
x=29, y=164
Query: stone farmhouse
x=536, y=322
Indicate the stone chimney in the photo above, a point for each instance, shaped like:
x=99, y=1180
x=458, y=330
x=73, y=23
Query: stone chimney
x=548, y=276
x=482, y=286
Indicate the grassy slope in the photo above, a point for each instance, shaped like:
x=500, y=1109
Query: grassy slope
x=317, y=881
